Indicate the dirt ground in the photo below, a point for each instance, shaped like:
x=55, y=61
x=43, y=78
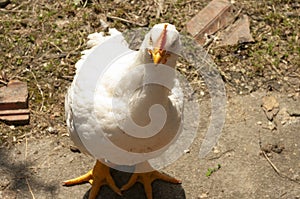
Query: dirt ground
x=258, y=158
x=42, y=164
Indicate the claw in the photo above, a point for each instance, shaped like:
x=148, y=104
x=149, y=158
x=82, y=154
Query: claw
x=99, y=176
x=146, y=179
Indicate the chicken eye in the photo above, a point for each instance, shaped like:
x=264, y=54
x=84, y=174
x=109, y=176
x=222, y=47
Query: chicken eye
x=150, y=41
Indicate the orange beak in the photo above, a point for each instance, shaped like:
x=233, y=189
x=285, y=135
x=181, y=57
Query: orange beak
x=159, y=56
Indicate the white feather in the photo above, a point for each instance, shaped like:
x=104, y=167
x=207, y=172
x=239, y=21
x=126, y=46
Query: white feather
x=100, y=104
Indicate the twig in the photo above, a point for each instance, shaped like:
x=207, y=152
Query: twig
x=24, y=135
x=75, y=51
x=275, y=168
x=160, y=7
x=294, y=75
x=187, y=2
x=85, y=3
x=39, y=87
x=30, y=190
x=58, y=48
x=209, y=41
x=271, y=163
x=26, y=145
x=66, y=77
x=3, y=82
x=125, y=20
x=15, y=9
x=21, y=4
x=12, y=11
x=273, y=66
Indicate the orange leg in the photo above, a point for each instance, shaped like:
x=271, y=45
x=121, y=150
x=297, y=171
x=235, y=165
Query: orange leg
x=98, y=176
x=146, y=179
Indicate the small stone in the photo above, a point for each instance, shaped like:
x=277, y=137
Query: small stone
x=204, y=195
x=270, y=106
x=186, y=151
x=74, y=149
x=51, y=130
x=216, y=150
x=269, y=102
x=271, y=126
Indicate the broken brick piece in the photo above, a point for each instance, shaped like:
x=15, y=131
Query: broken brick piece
x=14, y=103
x=14, y=112
x=239, y=32
x=15, y=119
x=14, y=96
x=216, y=15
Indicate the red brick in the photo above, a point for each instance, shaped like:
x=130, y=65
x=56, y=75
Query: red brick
x=216, y=15
x=14, y=96
x=14, y=103
x=15, y=119
x=14, y=112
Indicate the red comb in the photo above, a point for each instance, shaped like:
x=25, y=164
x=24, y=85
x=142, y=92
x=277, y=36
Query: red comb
x=162, y=38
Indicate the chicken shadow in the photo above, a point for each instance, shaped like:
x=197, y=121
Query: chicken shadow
x=17, y=177
x=160, y=189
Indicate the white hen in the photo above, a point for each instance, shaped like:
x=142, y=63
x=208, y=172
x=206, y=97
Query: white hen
x=129, y=112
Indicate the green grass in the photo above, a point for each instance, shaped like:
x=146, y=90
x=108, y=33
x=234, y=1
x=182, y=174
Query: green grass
x=210, y=171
